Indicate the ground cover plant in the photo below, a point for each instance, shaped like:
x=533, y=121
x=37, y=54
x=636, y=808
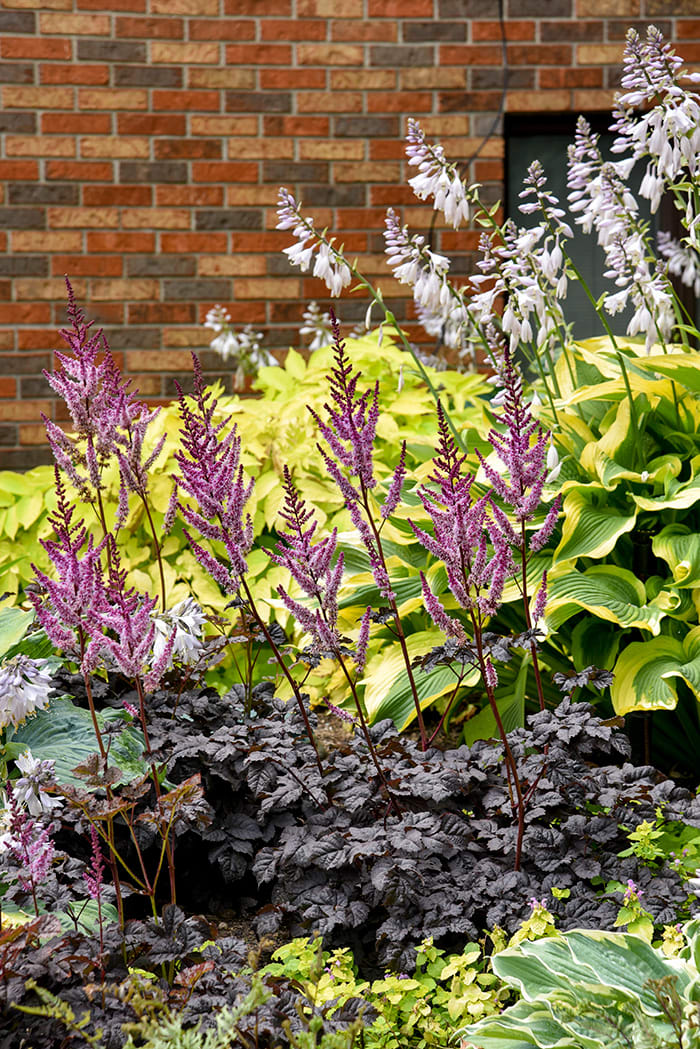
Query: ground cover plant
x=142, y=804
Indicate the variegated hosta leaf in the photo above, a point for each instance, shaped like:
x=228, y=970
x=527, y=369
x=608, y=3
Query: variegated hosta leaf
x=678, y=495
x=592, y=526
x=682, y=368
x=611, y=593
x=646, y=673
x=680, y=548
x=583, y=990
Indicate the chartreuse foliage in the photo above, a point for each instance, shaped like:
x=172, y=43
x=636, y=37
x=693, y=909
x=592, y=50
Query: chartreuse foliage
x=590, y=989
x=627, y=566
x=419, y=1010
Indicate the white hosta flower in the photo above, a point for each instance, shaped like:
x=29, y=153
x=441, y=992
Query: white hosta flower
x=29, y=788
x=225, y=344
x=24, y=688
x=188, y=619
x=318, y=325
x=553, y=465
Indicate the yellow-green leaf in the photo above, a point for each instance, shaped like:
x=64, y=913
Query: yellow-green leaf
x=646, y=671
x=592, y=526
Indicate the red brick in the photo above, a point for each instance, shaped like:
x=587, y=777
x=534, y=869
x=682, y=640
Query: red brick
x=400, y=9
x=35, y=240
x=259, y=54
x=330, y=54
x=187, y=149
x=76, y=73
x=116, y=5
x=353, y=30
x=149, y=124
x=160, y=313
x=186, y=101
x=469, y=55
x=292, y=78
x=8, y=387
x=78, y=171
x=191, y=243
x=150, y=28
x=81, y=218
x=19, y=170
x=87, y=265
x=33, y=47
x=492, y=30
x=126, y=242
x=688, y=28
x=76, y=123
x=25, y=313
x=259, y=8
x=563, y=78
x=224, y=172
x=255, y=242
x=292, y=29
x=302, y=126
x=400, y=102
x=121, y=196
x=540, y=55
x=221, y=29
x=189, y=196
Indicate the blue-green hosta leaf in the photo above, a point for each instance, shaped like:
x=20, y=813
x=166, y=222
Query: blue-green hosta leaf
x=387, y=687
x=592, y=526
x=609, y=592
x=646, y=672
x=86, y=914
x=64, y=734
x=680, y=548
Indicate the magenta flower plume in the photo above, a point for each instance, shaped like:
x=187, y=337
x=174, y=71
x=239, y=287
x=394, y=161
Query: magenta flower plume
x=462, y=530
x=524, y=460
x=211, y=473
x=94, y=877
x=352, y=424
x=71, y=602
x=311, y=567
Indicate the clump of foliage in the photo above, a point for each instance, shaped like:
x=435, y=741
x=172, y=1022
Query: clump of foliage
x=598, y=989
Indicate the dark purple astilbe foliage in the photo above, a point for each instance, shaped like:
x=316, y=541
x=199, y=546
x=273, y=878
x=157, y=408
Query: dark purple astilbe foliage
x=211, y=472
x=312, y=566
x=350, y=432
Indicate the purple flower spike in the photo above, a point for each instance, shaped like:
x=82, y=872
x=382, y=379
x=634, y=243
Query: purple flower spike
x=211, y=473
x=93, y=877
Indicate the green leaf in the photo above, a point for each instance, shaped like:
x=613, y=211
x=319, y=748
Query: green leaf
x=680, y=548
x=510, y=707
x=611, y=593
x=592, y=526
x=646, y=671
x=14, y=623
x=64, y=734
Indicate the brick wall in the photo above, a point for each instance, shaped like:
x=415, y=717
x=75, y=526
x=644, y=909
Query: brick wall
x=142, y=148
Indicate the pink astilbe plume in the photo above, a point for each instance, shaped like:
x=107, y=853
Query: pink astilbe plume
x=462, y=530
x=107, y=419
x=31, y=846
x=94, y=877
x=211, y=472
x=350, y=433
x=311, y=566
x=67, y=606
x=523, y=451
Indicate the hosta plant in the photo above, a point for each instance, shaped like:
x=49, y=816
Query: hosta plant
x=591, y=989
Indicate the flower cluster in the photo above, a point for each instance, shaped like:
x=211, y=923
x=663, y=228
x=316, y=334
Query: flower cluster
x=668, y=129
x=436, y=178
x=211, y=472
x=245, y=346
x=329, y=263
x=25, y=685
x=29, y=788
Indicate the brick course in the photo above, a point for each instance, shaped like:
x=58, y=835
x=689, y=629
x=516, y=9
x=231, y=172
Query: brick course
x=142, y=146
